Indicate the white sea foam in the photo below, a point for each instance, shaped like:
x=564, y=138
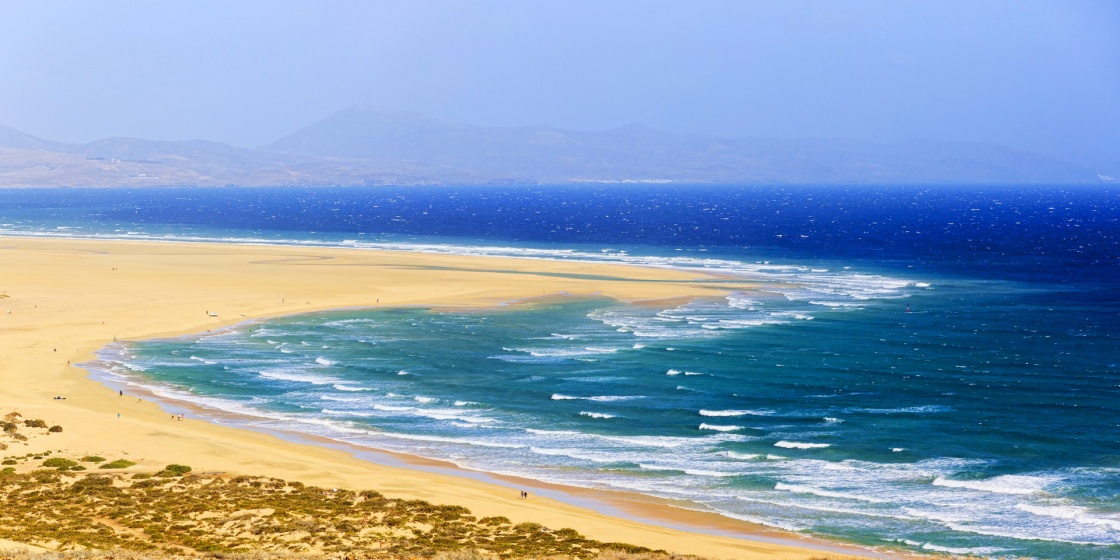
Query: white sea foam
x=451, y=440
x=282, y=375
x=705, y=472
x=352, y=388
x=694, y=373
x=424, y=399
x=599, y=398
x=719, y=428
x=324, y=362
x=737, y=301
x=927, y=409
x=391, y=408
x=597, y=415
x=466, y=403
x=736, y=412
x=571, y=352
x=742, y=456
x=1030, y=535
x=802, y=489
x=1004, y=484
x=673, y=372
x=1073, y=513
x=341, y=399
x=839, y=304
x=613, y=398
x=205, y=361
x=972, y=551
x=451, y=414
x=800, y=445
x=574, y=453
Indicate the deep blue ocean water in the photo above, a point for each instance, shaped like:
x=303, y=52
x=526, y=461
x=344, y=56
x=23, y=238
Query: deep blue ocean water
x=932, y=368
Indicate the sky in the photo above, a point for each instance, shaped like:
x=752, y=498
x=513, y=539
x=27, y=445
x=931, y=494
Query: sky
x=1040, y=76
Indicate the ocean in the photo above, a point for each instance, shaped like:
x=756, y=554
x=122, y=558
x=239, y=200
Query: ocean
x=932, y=368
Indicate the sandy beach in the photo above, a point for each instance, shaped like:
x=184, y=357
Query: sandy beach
x=61, y=300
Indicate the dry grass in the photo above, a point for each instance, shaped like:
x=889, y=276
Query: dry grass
x=192, y=514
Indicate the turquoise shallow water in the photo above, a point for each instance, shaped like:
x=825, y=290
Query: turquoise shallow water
x=941, y=429
x=985, y=420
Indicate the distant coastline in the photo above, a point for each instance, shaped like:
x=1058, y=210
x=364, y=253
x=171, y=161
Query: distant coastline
x=369, y=146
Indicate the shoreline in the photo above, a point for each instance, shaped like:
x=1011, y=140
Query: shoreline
x=633, y=506
x=60, y=288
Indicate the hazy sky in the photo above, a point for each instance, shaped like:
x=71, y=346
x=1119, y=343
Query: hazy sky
x=1043, y=76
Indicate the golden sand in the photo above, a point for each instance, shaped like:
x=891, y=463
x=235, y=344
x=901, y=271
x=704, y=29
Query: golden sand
x=68, y=298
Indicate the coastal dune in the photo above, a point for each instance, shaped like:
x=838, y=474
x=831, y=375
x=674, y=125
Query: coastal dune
x=63, y=299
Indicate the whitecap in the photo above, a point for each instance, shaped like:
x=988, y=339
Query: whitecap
x=800, y=445
x=297, y=377
x=719, y=428
x=736, y=412
x=612, y=398
x=345, y=387
x=596, y=415
x=742, y=456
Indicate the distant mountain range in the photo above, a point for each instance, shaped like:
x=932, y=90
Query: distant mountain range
x=365, y=145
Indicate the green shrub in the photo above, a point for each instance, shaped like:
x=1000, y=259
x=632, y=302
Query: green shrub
x=141, y=476
x=8, y=470
x=174, y=470
x=528, y=527
x=118, y=464
x=77, y=468
x=92, y=459
x=59, y=463
x=55, y=429
x=8, y=462
x=37, y=423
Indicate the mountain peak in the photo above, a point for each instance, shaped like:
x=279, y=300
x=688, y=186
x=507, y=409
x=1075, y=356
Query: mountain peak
x=15, y=139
